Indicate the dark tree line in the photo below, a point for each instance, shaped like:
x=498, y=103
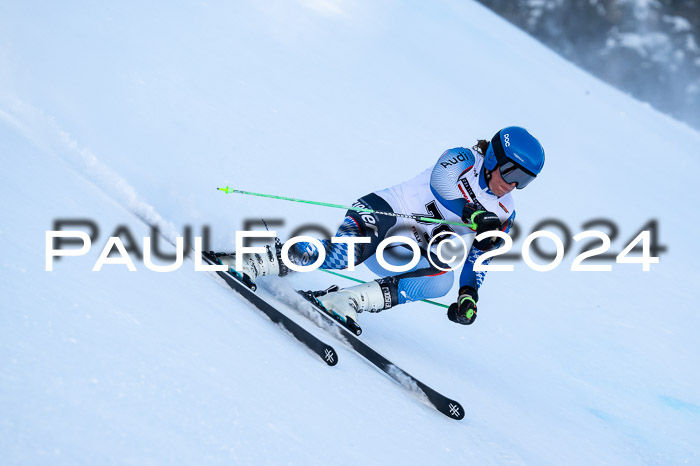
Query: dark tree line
x=649, y=48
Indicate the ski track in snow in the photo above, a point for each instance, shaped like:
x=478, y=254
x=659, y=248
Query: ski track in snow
x=44, y=132
x=407, y=382
x=151, y=368
x=283, y=292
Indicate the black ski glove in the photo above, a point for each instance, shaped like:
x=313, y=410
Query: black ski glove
x=481, y=221
x=464, y=310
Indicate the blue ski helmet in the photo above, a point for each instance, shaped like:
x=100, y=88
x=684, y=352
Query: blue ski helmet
x=519, y=156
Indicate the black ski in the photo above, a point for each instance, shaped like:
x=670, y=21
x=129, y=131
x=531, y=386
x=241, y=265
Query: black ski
x=446, y=406
x=324, y=351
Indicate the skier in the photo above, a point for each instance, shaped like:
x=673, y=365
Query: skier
x=470, y=186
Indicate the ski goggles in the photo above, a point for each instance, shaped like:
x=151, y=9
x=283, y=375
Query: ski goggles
x=511, y=172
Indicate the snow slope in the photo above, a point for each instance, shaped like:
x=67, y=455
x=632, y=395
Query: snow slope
x=131, y=114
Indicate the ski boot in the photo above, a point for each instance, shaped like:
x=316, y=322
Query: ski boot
x=256, y=264
x=344, y=304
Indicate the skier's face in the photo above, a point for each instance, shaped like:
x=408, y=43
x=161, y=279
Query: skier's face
x=498, y=185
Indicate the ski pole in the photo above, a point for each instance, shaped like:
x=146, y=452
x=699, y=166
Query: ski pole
x=228, y=190
x=360, y=281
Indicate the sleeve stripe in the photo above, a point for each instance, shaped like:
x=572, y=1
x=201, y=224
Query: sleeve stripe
x=463, y=193
x=465, y=171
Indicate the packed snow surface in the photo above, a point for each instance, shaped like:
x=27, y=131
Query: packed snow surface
x=130, y=114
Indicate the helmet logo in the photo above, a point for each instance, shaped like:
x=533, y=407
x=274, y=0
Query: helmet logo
x=506, y=138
